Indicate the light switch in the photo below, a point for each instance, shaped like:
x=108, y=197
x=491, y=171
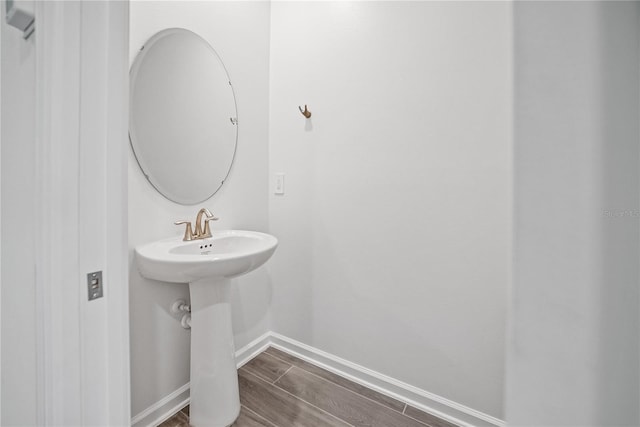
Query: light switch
x=279, y=183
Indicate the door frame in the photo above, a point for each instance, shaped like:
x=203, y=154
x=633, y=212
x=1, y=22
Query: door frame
x=82, y=121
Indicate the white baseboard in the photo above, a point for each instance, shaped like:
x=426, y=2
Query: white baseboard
x=418, y=398
x=253, y=349
x=162, y=409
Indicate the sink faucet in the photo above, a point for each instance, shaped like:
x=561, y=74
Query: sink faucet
x=199, y=233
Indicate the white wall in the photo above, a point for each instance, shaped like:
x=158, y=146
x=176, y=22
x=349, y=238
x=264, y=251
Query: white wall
x=239, y=32
x=394, y=229
x=18, y=379
x=573, y=353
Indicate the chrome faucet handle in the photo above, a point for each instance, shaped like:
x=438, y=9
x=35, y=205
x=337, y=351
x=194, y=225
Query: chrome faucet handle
x=207, y=229
x=188, y=231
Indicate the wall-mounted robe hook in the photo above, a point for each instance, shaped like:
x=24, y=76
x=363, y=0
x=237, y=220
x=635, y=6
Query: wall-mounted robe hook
x=306, y=112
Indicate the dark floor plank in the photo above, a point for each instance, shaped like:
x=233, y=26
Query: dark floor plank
x=273, y=363
x=344, y=404
x=267, y=367
x=248, y=418
x=278, y=407
x=177, y=420
x=428, y=419
x=336, y=379
x=282, y=355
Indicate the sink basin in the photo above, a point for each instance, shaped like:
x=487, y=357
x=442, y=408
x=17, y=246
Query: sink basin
x=227, y=253
x=208, y=265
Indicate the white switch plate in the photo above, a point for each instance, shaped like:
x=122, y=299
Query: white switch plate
x=279, y=183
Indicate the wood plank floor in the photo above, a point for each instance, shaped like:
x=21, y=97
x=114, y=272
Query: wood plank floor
x=279, y=390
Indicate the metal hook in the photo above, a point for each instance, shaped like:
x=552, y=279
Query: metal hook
x=306, y=112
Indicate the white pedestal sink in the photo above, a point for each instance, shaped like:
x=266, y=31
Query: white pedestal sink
x=207, y=265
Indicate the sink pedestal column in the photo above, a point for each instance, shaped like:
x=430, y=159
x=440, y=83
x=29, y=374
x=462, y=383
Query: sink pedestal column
x=215, y=400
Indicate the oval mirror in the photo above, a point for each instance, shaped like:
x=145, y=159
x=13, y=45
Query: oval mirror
x=183, y=117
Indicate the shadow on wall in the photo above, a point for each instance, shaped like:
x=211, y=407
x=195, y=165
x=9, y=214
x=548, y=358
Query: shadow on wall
x=158, y=333
x=252, y=295
x=618, y=381
x=574, y=355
